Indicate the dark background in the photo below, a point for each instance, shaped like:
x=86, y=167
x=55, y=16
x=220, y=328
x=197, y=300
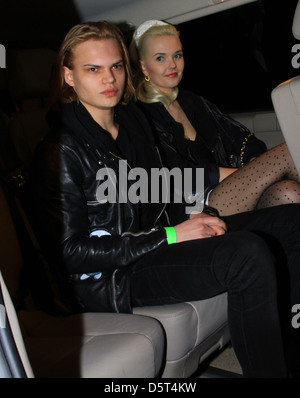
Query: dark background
x=233, y=58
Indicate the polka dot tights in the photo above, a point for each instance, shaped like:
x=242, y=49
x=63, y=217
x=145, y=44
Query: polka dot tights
x=269, y=180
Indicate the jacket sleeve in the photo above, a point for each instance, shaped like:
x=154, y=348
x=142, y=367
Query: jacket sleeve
x=240, y=144
x=66, y=223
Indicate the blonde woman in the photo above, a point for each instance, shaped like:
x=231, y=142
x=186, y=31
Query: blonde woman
x=240, y=175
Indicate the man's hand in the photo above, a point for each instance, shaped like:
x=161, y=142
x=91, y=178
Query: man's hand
x=200, y=226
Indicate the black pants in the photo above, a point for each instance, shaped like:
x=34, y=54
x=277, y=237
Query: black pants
x=256, y=262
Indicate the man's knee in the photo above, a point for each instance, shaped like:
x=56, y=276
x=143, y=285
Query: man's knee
x=253, y=260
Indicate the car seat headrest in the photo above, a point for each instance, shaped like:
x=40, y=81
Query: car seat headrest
x=296, y=22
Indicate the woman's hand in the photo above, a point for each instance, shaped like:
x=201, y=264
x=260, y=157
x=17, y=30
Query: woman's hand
x=200, y=226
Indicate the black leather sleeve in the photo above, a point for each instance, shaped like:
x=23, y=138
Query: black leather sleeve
x=67, y=225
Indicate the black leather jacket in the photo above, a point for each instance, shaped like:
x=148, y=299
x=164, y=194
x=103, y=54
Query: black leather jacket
x=95, y=270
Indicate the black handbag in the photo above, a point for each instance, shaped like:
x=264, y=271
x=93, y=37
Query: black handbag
x=225, y=159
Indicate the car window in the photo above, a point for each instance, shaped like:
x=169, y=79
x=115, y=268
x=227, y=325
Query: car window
x=236, y=57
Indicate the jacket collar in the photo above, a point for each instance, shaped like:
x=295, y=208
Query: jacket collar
x=75, y=114
x=79, y=123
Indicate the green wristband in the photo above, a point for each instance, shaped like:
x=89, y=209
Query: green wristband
x=171, y=235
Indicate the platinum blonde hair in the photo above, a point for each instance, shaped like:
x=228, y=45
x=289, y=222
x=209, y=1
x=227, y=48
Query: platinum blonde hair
x=144, y=90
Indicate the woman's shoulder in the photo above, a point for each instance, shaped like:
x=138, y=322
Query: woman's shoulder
x=194, y=99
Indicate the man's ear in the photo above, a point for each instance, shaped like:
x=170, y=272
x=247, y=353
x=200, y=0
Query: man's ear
x=68, y=76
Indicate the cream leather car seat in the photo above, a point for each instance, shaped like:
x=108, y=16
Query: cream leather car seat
x=98, y=345
x=286, y=101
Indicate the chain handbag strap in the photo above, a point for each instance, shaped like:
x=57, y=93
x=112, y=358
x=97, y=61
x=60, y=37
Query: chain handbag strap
x=243, y=148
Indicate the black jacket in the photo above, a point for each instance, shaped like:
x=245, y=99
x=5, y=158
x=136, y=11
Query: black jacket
x=220, y=140
x=66, y=167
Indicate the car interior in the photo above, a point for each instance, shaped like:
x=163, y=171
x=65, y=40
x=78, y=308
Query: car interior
x=38, y=338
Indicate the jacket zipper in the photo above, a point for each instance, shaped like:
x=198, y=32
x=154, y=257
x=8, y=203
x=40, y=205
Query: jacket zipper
x=159, y=156
x=117, y=192
x=113, y=283
x=118, y=199
x=119, y=211
x=165, y=204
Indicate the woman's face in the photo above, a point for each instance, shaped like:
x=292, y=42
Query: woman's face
x=163, y=61
x=98, y=74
